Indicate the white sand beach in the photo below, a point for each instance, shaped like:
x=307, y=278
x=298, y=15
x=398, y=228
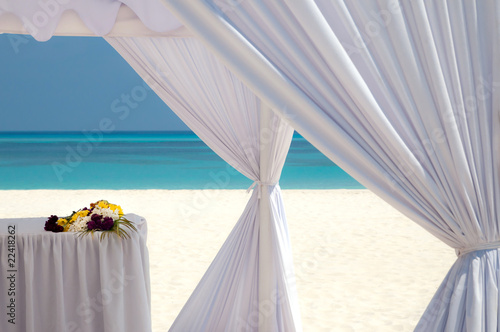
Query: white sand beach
x=360, y=264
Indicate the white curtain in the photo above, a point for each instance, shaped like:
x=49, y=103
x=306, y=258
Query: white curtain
x=44, y=18
x=403, y=95
x=250, y=284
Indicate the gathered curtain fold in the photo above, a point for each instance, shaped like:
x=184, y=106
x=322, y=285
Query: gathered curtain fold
x=250, y=284
x=42, y=19
x=403, y=95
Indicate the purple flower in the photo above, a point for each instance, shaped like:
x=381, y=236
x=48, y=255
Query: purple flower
x=96, y=218
x=99, y=223
x=91, y=225
x=52, y=226
x=107, y=223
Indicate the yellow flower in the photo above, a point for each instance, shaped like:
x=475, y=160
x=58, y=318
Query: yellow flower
x=114, y=207
x=62, y=221
x=78, y=214
x=102, y=205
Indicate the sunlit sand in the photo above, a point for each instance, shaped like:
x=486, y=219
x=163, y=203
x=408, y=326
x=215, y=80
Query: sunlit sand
x=360, y=264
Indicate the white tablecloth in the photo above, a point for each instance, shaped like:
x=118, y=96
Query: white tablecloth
x=63, y=283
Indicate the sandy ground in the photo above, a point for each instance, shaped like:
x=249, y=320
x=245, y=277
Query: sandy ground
x=360, y=264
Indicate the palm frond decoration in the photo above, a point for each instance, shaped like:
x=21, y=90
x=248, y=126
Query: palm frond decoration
x=121, y=228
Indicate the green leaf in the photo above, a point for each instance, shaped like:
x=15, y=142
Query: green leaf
x=119, y=228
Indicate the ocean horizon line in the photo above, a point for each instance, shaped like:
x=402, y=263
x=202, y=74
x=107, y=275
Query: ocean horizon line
x=126, y=136
x=85, y=130
x=75, y=132
x=173, y=189
x=170, y=160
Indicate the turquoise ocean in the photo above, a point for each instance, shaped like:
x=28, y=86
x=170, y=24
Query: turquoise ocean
x=145, y=160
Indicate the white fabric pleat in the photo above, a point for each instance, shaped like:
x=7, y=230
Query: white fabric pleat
x=403, y=95
x=454, y=307
x=67, y=284
x=40, y=18
x=229, y=287
x=226, y=115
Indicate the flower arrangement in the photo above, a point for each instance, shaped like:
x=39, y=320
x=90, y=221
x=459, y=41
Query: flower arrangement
x=101, y=216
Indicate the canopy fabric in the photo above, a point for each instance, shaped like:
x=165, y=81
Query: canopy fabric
x=254, y=266
x=401, y=95
x=43, y=19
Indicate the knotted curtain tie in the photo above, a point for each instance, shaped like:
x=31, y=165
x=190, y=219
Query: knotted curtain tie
x=477, y=247
x=260, y=183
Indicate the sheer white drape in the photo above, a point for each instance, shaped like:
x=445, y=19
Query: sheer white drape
x=250, y=284
x=400, y=94
x=44, y=18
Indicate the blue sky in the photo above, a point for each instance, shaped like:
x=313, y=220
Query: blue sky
x=71, y=84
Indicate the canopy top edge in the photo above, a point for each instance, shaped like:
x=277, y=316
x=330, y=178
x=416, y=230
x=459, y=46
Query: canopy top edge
x=121, y=21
